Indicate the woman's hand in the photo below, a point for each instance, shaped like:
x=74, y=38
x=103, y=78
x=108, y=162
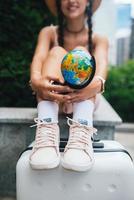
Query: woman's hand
x=45, y=89
x=86, y=93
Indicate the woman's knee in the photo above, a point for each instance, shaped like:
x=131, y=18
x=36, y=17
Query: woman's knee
x=57, y=51
x=81, y=48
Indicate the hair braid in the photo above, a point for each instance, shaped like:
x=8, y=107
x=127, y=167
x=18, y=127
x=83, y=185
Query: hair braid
x=89, y=22
x=61, y=24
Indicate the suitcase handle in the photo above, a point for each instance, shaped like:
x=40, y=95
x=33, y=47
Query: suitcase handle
x=63, y=142
x=98, y=149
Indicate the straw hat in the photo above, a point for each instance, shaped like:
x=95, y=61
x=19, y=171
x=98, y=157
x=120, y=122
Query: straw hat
x=52, y=5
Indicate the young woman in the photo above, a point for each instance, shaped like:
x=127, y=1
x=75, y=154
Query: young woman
x=74, y=31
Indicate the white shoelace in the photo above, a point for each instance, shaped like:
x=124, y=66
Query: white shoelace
x=45, y=135
x=80, y=135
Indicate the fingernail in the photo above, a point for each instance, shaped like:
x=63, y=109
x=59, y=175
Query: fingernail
x=62, y=81
x=69, y=89
x=68, y=97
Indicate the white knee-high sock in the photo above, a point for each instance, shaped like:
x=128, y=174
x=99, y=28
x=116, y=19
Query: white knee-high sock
x=48, y=111
x=83, y=112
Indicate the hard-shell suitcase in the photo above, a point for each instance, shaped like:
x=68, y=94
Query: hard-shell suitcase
x=111, y=178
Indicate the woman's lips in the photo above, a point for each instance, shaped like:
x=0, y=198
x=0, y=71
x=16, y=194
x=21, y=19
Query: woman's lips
x=72, y=8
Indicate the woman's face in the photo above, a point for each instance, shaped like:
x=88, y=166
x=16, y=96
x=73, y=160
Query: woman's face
x=73, y=8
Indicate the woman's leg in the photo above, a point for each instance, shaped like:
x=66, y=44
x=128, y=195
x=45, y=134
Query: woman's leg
x=45, y=153
x=84, y=49
x=78, y=154
x=84, y=110
x=52, y=65
x=96, y=99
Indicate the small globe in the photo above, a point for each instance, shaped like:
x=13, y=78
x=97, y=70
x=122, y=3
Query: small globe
x=78, y=68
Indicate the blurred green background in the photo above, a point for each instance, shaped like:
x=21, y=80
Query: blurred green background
x=20, y=23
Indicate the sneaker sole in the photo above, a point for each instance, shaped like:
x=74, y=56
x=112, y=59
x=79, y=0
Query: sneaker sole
x=75, y=167
x=46, y=166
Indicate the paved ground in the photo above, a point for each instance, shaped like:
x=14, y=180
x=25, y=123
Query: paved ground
x=124, y=135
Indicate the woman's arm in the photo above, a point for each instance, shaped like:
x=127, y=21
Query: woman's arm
x=101, y=57
x=41, y=52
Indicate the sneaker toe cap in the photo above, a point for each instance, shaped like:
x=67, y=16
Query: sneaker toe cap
x=76, y=157
x=44, y=156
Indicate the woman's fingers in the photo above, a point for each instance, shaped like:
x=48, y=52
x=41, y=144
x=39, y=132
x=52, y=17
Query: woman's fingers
x=53, y=92
x=58, y=97
x=53, y=79
x=55, y=86
x=77, y=96
x=59, y=88
x=74, y=95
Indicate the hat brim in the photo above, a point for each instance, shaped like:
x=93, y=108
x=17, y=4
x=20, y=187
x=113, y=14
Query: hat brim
x=52, y=5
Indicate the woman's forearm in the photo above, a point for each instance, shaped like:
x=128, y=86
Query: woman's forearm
x=41, y=53
x=36, y=68
x=101, y=57
x=102, y=69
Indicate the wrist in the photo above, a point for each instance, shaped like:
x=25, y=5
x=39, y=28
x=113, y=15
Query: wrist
x=35, y=75
x=101, y=82
x=34, y=83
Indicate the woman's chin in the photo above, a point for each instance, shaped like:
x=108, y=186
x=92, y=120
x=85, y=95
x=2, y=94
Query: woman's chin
x=72, y=15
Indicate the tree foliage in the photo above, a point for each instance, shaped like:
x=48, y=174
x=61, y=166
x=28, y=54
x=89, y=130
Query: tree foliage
x=20, y=23
x=120, y=90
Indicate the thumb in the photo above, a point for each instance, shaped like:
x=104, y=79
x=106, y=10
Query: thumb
x=56, y=79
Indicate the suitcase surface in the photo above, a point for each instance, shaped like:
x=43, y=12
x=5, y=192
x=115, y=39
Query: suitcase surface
x=111, y=178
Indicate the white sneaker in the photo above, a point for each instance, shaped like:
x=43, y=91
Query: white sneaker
x=78, y=154
x=45, y=153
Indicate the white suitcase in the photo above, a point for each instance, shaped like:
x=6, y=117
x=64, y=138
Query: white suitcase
x=111, y=178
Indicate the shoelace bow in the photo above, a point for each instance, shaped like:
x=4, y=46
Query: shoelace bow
x=46, y=134
x=80, y=134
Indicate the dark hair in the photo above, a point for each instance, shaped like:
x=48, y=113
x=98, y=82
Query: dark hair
x=89, y=22
x=61, y=24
